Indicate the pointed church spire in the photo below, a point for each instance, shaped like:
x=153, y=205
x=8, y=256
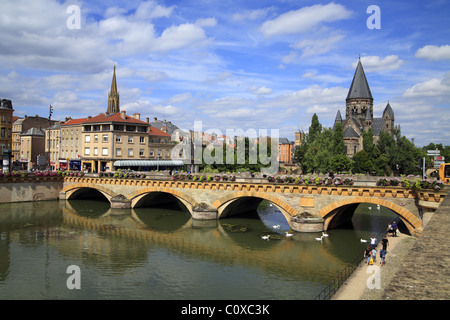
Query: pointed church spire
x=359, y=88
x=113, y=96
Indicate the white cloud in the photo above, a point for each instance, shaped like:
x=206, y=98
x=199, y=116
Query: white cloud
x=434, y=53
x=260, y=90
x=251, y=14
x=304, y=19
x=150, y=10
x=317, y=46
x=177, y=37
x=375, y=63
x=436, y=88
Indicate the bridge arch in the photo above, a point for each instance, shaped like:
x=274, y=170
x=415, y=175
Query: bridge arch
x=226, y=202
x=412, y=222
x=72, y=190
x=137, y=196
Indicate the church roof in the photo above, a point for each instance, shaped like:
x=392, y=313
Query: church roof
x=389, y=111
x=338, y=116
x=350, y=133
x=359, y=88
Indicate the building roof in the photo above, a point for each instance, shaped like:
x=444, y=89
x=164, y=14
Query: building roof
x=156, y=132
x=338, y=116
x=114, y=117
x=6, y=104
x=148, y=163
x=33, y=132
x=350, y=133
x=170, y=127
x=284, y=141
x=72, y=122
x=389, y=111
x=359, y=88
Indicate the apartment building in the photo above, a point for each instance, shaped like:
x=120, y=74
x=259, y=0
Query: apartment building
x=107, y=138
x=6, y=116
x=71, y=149
x=52, y=144
x=159, y=144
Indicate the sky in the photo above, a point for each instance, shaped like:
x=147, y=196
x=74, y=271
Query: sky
x=233, y=65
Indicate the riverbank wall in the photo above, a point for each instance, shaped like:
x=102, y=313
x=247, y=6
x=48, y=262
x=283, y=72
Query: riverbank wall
x=424, y=273
x=24, y=189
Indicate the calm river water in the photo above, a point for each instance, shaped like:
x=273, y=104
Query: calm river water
x=161, y=253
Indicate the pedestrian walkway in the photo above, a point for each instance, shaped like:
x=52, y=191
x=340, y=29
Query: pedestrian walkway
x=415, y=269
x=356, y=284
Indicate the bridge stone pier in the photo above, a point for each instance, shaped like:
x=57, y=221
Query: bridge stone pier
x=328, y=206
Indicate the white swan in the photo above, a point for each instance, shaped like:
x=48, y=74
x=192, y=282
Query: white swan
x=289, y=234
x=276, y=226
x=324, y=234
x=362, y=240
x=319, y=239
x=265, y=237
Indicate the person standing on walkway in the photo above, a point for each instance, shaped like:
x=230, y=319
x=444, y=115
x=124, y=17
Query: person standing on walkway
x=384, y=243
x=373, y=242
x=394, y=229
x=389, y=229
x=382, y=257
x=374, y=255
x=367, y=254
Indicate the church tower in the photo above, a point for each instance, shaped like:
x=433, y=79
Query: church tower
x=113, y=96
x=359, y=99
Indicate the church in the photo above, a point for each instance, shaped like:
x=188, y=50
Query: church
x=359, y=114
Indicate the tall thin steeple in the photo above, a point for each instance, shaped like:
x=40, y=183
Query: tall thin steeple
x=113, y=96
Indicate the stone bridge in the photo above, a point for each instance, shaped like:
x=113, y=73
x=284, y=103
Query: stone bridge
x=329, y=206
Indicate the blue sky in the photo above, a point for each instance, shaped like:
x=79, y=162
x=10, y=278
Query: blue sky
x=230, y=64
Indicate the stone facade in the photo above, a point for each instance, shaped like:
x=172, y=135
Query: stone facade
x=213, y=200
x=359, y=114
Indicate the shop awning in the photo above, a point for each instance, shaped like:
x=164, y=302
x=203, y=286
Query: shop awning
x=148, y=163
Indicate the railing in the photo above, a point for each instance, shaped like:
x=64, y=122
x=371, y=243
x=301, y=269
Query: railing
x=340, y=279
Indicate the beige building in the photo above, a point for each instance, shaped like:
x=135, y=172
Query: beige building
x=6, y=121
x=32, y=145
x=52, y=144
x=71, y=149
x=159, y=144
x=21, y=126
x=107, y=138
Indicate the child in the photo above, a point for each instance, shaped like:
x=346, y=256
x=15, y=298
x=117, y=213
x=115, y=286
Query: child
x=374, y=255
x=382, y=257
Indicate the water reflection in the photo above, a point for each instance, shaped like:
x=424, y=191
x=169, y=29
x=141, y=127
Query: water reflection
x=161, y=253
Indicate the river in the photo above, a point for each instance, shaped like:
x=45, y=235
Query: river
x=161, y=253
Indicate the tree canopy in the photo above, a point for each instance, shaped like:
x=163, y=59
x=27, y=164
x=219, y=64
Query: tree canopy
x=324, y=150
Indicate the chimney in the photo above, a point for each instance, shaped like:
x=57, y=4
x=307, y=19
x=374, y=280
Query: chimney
x=147, y=120
x=155, y=119
x=123, y=114
x=137, y=116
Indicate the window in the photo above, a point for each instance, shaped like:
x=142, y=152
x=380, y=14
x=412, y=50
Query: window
x=151, y=152
x=118, y=152
x=130, y=152
x=95, y=151
x=118, y=138
x=167, y=153
x=130, y=139
x=105, y=138
x=87, y=151
x=141, y=139
x=141, y=152
x=87, y=138
x=104, y=151
x=96, y=138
